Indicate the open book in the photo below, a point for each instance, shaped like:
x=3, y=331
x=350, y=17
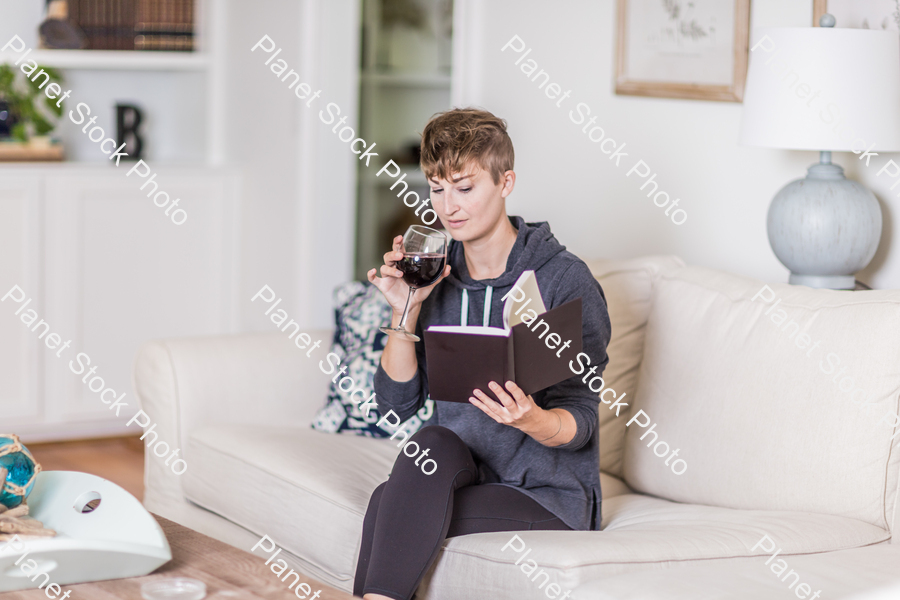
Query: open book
x=533, y=348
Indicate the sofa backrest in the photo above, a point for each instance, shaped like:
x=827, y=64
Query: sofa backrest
x=777, y=397
x=628, y=287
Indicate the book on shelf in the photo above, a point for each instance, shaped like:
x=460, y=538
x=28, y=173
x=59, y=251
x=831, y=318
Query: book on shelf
x=135, y=24
x=164, y=25
x=464, y=358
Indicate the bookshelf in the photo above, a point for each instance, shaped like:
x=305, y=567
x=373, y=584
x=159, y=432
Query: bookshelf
x=115, y=60
x=131, y=24
x=181, y=93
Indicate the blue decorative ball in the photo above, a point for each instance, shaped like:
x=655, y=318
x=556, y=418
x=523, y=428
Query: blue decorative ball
x=21, y=470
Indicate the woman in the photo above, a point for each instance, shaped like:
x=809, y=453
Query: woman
x=527, y=463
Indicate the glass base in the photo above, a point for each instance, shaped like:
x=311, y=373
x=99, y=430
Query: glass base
x=400, y=333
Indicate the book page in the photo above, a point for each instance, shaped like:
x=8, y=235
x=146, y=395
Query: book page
x=524, y=296
x=470, y=330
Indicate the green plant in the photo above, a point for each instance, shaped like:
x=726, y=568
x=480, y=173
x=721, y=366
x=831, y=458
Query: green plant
x=24, y=104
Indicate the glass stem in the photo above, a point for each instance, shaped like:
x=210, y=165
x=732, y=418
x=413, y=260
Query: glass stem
x=402, y=324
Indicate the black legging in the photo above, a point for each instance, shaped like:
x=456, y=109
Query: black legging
x=411, y=514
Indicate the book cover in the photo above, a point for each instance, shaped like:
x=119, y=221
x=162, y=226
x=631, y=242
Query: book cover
x=164, y=25
x=533, y=348
x=460, y=362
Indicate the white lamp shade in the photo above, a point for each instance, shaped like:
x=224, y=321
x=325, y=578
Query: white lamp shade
x=819, y=88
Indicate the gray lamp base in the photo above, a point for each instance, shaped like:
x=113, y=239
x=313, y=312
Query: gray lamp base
x=832, y=282
x=824, y=228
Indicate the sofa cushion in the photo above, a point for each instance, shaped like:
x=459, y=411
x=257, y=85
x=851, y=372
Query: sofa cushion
x=628, y=287
x=640, y=534
x=767, y=410
x=867, y=571
x=309, y=490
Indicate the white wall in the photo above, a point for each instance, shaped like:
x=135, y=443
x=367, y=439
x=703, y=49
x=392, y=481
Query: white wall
x=299, y=180
x=17, y=12
x=261, y=143
x=591, y=205
x=326, y=167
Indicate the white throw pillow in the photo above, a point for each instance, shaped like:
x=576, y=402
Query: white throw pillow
x=754, y=403
x=628, y=286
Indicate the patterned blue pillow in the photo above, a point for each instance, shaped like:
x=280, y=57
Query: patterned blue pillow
x=360, y=310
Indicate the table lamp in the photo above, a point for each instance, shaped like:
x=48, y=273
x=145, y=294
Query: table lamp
x=825, y=89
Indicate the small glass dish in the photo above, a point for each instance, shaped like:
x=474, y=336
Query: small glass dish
x=179, y=588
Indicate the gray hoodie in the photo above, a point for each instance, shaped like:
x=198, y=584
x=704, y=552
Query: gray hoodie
x=564, y=479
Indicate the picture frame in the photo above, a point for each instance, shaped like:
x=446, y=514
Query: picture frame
x=679, y=49
x=860, y=14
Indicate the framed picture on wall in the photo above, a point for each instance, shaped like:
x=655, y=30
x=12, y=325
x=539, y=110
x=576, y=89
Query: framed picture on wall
x=860, y=14
x=695, y=49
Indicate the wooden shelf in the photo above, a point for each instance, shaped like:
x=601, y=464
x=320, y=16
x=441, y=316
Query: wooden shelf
x=23, y=152
x=407, y=79
x=114, y=60
x=78, y=167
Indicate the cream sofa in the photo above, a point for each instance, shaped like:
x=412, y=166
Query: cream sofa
x=774, y=447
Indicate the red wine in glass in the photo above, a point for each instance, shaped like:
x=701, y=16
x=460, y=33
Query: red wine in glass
x=421, y=269
x=424, y=256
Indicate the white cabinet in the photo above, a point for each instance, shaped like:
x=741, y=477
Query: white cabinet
x=19, y=256
x=108, y=270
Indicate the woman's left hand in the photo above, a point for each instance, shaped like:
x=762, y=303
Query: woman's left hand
x=516, y=409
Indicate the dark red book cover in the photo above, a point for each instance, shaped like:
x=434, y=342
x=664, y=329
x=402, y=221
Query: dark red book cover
x=460, y=362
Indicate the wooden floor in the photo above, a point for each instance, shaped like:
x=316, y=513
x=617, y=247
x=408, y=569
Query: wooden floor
x=120, y=460
x=227, y=572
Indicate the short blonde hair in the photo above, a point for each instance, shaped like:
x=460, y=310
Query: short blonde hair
x=457, y=137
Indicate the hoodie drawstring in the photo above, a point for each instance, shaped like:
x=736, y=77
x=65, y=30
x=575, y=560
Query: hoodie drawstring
x=464, y=310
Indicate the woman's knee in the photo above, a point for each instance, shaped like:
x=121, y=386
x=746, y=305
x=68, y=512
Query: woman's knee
x=435, y=436
x=435, y=447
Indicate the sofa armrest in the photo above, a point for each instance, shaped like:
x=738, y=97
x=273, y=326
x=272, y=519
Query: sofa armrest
x=254, y=379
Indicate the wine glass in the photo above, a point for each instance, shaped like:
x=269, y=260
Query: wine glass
x=424, y=257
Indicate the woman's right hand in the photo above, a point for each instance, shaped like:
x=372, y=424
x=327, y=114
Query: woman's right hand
x=391, y=281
